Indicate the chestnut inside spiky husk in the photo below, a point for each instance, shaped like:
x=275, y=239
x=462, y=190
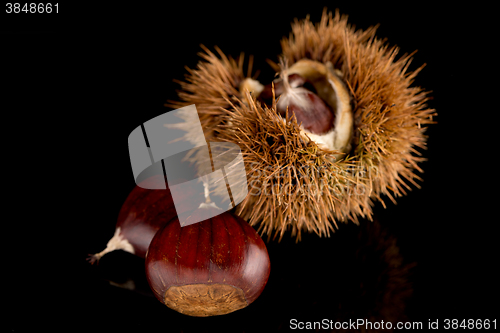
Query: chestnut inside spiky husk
x=295, y=181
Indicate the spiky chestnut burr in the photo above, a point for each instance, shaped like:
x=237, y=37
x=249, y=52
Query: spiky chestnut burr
x=208, y=268
x=296, y=181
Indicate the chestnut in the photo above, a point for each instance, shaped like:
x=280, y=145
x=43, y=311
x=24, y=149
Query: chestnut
x=209, y=268
x=142, y=214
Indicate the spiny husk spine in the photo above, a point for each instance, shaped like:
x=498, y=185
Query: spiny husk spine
x=390, y=115
x=300, y=186
x=210, y=85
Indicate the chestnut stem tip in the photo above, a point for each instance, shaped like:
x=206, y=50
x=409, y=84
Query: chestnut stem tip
x=92, y=258
x=117, y=242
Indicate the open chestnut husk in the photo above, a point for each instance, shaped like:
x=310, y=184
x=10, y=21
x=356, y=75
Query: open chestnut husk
x=208, y=268
x=332, y=158
x=314, y=93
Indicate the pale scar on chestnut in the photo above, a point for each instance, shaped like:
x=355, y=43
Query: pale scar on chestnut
x=201, y=300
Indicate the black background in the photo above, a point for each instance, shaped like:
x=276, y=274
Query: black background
x=77, y=83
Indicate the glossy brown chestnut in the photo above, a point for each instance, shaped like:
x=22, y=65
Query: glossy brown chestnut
x=209, y=268
x=298, y=95
x=295, y=80
x=142, y=214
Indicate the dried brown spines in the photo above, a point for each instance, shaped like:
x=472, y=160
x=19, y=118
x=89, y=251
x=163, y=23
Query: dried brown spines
x=389, y=114
x=215, y=81
x=389, y=124
x=293, y=184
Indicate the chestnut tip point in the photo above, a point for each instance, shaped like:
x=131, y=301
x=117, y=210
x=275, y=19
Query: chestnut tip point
x=117, y=242
x=93, y=259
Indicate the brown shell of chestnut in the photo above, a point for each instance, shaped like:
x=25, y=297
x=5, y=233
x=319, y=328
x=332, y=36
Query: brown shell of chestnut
x=209, y=268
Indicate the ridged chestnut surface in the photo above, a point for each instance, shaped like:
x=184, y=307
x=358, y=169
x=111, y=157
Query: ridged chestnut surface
x=209, y=268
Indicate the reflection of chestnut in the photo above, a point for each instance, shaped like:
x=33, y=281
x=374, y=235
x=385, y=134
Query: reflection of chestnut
x=209, y=268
